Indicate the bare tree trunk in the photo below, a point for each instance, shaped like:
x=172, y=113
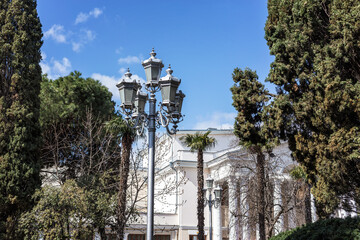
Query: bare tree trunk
x=102, y=233
x=126, y=141
x=307, y=204
x=200, y=205
x=260, y=178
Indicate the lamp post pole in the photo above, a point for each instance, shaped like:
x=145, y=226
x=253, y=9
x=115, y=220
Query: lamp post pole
x=151, y=167
x=212, y=202
x=133, y=107
x=210, y=218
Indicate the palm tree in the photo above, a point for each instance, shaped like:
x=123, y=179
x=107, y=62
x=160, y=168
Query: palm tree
x=199, y=142
x=127, y=135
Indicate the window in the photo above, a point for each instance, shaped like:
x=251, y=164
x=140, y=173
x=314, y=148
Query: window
x=193, y=237
x=162, y=237
x=136, y=237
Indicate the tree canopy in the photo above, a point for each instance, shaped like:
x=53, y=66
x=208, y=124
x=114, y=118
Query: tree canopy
x=73, y=110
x=20, y=138
x=198, y=141
x=250, y=99
x=316, y=45
x=68, y=99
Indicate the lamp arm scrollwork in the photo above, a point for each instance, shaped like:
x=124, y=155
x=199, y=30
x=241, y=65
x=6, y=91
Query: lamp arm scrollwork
x=172, y=131
x=143, y=123
x=217, y=203
x=162, y=117
x=138, y=123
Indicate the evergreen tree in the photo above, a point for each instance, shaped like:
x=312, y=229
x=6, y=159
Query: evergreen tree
x=73, y=110
x=251, y=99
x=78, y=143
x=316, y=45
x=199, y=142
x=20, y=138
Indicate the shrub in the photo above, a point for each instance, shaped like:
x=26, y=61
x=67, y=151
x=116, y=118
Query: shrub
x=329, y=229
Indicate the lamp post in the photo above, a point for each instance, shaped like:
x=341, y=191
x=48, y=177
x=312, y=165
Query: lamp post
x=212, y=202
x=133, y=102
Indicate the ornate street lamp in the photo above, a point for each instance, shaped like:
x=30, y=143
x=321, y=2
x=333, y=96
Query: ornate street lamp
x=128, y=88
x=133, y=103
x=212, y=202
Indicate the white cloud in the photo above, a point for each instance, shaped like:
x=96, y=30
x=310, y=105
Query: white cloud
x=43, y=56
x=56, y=32
x=83, y=17
x=62, y=67
x=119, y=50
x=76, y=46
x=219, y=120
x=55, y=68
x=89, y=35
x=45, y=68
x=84, y=37
x=96, y=12
x=77, y=39
x=122, y=70
x=109, y=82
x=129, y=60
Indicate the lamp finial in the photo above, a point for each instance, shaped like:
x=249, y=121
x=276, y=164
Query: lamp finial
x=169, y=70
x=128, y=74
x=153, y=53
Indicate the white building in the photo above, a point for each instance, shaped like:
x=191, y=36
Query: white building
x=231, y=168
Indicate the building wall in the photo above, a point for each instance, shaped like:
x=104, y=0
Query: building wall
x=176, y=210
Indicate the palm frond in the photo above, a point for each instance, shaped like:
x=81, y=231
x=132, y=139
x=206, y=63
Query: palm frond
x=198, y=141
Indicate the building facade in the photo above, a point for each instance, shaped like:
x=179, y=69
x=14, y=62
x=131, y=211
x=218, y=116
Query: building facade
x=232, y=167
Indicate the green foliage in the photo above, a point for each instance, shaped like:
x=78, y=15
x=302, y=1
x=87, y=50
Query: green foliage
x=100, y=198
x=87, y=141
x=82, y=138
x=250, y=100
x=62, y=212
x=20, y=78
x=68, y=99
x=316, y=46
x=329, y=229
x=298, y=173
x=118, y=127
x=254, y=127
x=198, y=141
x=73, y=111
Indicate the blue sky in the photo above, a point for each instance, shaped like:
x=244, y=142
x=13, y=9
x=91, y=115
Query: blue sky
x=202, y=40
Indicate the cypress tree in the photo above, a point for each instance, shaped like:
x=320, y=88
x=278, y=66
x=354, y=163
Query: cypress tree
x=20, y=76
x=316, y=45
x=251, y=100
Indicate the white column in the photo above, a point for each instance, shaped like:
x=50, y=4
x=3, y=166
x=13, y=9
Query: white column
x=353, y=208
x=233, y=210
x=173, y=235
x=313, y=209
x=217, y=224
x=244, y=211
x=277, y=206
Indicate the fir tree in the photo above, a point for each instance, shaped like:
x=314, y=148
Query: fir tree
x=20, y=76
x=316, y=45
